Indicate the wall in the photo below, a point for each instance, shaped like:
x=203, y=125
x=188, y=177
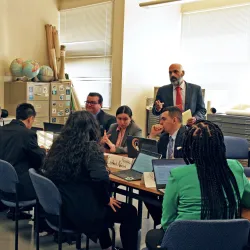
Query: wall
x=151, y=44
x=22, y=32
x=208, y=4
x=117, y=43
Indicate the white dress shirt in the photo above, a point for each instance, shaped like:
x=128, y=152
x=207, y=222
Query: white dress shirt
x=173, y=137
x=183, y=94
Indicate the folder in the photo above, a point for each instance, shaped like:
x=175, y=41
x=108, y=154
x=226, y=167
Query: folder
x=185, y=116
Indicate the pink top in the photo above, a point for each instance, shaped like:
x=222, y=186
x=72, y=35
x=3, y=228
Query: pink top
x=120, y=136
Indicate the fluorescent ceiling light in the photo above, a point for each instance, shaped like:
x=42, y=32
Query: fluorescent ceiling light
x=158, y=3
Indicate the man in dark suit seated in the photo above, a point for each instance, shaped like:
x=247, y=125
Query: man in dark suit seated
x=94, y=106
x=182, y=94
x=169, y=146
x=170, y=142
x=19, y=147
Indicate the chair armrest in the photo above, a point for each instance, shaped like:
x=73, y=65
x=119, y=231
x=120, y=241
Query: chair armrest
x=248, y=163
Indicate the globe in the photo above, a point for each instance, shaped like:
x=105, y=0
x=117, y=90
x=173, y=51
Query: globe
x=45, y=74
x=16, y=67
x=30, y=69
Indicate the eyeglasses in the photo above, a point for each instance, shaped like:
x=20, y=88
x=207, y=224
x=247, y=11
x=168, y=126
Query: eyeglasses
x=122, y=119
x=91, y=103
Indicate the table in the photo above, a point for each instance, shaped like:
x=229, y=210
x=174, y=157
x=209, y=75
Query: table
x=140, y=186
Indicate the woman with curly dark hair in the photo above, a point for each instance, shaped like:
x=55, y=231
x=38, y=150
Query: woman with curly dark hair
x=75, y=163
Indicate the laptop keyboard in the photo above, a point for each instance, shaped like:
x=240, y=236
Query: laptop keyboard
x=128, y=175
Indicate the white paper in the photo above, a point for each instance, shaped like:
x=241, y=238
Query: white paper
x=118, y=161
x=185, y=116
x=44, y=139
x=149, y=179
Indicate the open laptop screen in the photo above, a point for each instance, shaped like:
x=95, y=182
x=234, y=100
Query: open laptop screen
x=143, y=162
x=162, y=169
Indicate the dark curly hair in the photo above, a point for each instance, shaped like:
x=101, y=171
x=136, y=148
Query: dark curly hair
x=220, y=196
x=72, y=150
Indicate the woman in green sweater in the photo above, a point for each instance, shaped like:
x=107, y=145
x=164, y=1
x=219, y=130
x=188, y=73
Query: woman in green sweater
x=209, y=188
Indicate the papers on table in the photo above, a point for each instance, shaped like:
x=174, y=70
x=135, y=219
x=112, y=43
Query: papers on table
x=185, y=116
x=149, y=179
x=44, y=139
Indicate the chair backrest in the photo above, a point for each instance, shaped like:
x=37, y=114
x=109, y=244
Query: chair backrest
x=47, y=193
x=236, y=147
x=8, y=177
x=207, y=235
x=247, y=172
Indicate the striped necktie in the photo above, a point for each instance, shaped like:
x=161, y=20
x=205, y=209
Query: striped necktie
x=170, y=150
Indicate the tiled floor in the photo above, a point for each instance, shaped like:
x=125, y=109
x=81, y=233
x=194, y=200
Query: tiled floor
x=26, y=235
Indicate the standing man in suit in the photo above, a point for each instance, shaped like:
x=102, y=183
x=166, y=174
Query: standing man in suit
x=94, y=106
x=19, y=147
x=182, y=94
x=169, y=146
x=170, y=142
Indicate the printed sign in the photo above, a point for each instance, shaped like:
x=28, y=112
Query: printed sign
x=118, y=162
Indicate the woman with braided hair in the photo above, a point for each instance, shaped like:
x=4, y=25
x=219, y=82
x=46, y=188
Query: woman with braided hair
x=209, y=188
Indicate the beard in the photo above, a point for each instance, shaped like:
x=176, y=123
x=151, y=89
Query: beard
x=176, y=81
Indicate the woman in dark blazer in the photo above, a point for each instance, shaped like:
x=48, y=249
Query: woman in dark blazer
x=209, y=188
x=75, y=163
x=116, y=137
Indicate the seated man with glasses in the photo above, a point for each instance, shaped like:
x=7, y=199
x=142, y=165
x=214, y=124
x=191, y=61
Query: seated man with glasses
x=94, y=106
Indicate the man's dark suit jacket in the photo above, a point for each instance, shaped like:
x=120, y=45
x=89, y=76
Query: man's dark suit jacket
x=19, y=147
x=193, y=100
x=105, y=120
x=163, y=143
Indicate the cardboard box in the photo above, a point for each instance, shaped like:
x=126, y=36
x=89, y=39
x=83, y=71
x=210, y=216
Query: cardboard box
x=60, y=108
x=58, y=119
x=41, y=108
x=60, y=91
x=38, y=123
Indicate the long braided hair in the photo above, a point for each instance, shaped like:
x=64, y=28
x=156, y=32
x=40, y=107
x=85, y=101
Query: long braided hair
x=204, y=146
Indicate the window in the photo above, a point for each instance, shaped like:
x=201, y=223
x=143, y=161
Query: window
x=215, y=48
x=87, y=34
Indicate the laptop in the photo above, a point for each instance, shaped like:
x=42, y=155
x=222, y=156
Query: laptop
x=135, y=144
x=143, y=163
x=162, y=170
x=51, y=127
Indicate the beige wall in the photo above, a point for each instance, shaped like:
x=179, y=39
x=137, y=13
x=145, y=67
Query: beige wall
x=22, y=32
x=207, y=4
x=151, y=44
x=117, y=44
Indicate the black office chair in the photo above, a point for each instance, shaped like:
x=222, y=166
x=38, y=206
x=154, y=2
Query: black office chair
x=9, y=183
x=206, y=235
x=49, y=197
x=237, y=148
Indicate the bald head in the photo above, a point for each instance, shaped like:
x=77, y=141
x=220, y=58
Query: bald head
x=176, y=74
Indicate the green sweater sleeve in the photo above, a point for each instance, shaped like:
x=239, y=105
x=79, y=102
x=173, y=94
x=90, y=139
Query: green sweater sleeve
x=246, y=192
x=170, y=203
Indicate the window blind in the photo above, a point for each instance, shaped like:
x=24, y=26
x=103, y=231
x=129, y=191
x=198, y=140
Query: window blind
x=87, y=34
x=215, y=48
